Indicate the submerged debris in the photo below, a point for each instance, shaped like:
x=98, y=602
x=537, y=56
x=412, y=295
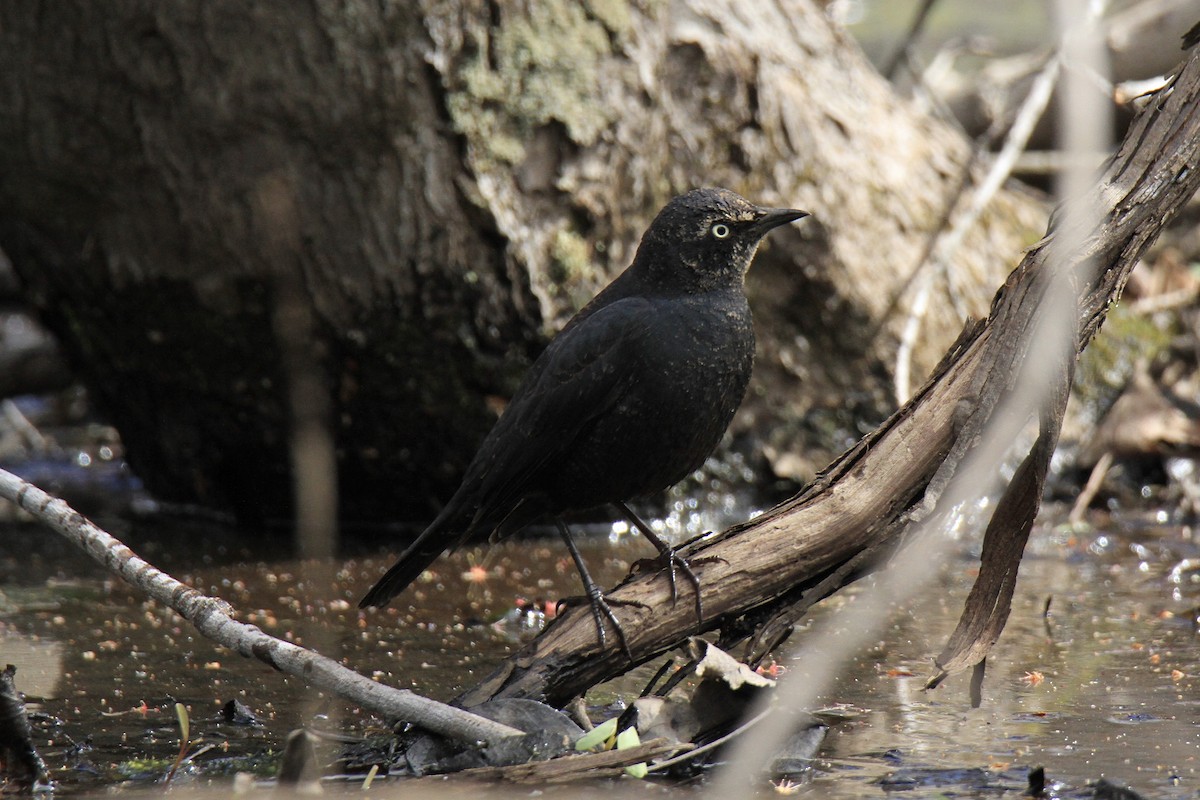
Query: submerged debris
x=298, y=767
x=21, y=768
x=549, y=733
x=1103, y=790
x=236, y=712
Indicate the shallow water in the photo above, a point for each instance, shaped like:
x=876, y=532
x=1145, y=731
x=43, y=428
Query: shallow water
x=1105, y=685
x=1102, y=686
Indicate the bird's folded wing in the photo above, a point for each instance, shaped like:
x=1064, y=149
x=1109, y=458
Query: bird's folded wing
x=582, y=375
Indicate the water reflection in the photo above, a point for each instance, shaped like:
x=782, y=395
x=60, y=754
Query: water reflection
x=40, y=662
x=1105, y=684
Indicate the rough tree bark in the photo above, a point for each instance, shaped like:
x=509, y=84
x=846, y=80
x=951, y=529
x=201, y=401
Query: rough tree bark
x=443, y=183
x=847, y=521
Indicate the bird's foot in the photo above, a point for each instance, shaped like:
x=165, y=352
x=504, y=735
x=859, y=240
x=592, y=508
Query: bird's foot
x=668, y=557
x=674, y=563
x=601, y=608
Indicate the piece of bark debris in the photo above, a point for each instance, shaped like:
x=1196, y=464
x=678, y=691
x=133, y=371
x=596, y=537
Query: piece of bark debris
x=298, y=766
x=21, y=768
x=548, y=733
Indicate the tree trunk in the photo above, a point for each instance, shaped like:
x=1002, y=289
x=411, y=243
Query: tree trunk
x=440, y=185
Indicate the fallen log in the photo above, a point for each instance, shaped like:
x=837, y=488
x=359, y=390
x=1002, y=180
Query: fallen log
x=759, y=575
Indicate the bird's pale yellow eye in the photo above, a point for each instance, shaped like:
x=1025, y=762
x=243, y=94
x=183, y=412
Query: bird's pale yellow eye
x=721, y=230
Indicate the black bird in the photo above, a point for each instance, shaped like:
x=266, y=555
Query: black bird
x=629, y=398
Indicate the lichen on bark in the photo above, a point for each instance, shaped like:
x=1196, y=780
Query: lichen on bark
x=528, y=66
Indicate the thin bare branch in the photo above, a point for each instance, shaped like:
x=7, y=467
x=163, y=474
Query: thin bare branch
x=213, y=617
x=947, y=241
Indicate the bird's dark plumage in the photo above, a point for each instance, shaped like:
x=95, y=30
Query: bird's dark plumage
x=631, y=396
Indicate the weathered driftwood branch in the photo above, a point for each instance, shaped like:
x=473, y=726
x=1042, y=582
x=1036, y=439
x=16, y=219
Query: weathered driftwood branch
x=211, y=616
x=815, y=543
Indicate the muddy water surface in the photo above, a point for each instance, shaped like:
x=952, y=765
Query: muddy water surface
x=1106, y=684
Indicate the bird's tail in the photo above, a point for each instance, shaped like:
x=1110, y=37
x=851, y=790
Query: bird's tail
x=450, y=529
x=412, y=562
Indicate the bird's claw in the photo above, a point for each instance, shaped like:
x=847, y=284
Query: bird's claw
x=614, y=601
x=675, y=563
x=602, y=607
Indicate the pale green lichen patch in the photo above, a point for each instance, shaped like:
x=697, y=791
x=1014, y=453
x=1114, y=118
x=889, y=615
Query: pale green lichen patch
x=572, y=257
x=542, y=64
x=614, y=14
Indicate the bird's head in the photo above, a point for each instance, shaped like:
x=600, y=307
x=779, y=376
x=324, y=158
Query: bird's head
x=707, y=238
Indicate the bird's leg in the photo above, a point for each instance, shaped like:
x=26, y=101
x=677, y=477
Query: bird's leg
x=669, y=556
x=600, y=606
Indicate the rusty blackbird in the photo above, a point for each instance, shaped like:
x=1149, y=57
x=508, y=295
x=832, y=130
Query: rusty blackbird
x=629, y=398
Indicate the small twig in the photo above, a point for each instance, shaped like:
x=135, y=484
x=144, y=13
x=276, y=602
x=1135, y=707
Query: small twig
x=681, y=674
x=1052, y=162
x=733, y=734
x=666, y=665
x=777, y=628
x=941, y=245
x=915, y=27
x=577, y=766
x=947, y=242
x=213, y=618
x=1163, y=302
x=1094, y=482
x=22, y=425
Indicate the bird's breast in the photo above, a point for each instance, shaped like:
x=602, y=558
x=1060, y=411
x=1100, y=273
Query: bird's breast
x=686, y=377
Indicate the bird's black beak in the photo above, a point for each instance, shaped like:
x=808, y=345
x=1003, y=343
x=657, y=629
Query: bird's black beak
x=774, y=217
